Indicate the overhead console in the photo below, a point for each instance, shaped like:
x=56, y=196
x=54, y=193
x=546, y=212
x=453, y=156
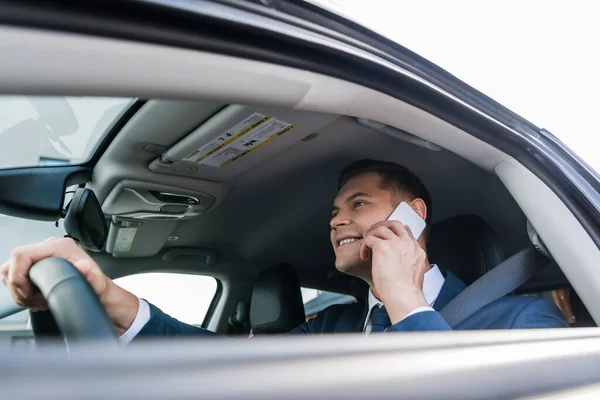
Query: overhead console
x=237, y=138
x=143, y=200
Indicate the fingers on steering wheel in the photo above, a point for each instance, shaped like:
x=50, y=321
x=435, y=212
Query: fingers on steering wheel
x=37, y=302
x=34, y=302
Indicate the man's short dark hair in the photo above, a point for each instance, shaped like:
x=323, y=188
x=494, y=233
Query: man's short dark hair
x=394, y=176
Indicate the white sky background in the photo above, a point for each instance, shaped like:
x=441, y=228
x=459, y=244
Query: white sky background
x=541, y=59
x=182, y=296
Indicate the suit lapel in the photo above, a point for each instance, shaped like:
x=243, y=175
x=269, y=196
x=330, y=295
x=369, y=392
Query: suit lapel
x=352, y=318
x=359, y=324
x=450, y=289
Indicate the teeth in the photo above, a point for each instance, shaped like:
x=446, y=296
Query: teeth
x=346, y=241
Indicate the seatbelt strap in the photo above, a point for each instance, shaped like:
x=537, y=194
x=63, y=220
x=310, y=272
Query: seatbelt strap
x=501, y=280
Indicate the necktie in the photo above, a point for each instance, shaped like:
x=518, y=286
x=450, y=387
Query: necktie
x=380, y=319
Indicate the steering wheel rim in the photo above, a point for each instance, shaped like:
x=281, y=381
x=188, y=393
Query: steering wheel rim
x=72, y=301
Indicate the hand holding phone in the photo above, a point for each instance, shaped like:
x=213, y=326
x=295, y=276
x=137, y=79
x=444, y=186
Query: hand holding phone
x=408, y=217
x=398, y=263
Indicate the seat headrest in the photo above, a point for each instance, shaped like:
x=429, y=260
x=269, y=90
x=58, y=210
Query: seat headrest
x=464, y=245
x=276, y=305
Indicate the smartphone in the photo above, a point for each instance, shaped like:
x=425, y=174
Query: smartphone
x=409, y=217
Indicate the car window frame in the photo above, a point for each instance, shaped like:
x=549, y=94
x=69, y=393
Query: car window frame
x=213, y=304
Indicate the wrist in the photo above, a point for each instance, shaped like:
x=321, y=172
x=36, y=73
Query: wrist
x=122, y=306
x=403, y=302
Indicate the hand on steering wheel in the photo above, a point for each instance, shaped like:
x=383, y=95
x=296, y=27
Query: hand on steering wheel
x=72, y=285
x=72, y=301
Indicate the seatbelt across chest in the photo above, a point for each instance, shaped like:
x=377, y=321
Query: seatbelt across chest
x=503, y=279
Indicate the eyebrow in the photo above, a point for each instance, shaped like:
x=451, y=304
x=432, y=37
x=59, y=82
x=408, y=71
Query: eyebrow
x=351, y=198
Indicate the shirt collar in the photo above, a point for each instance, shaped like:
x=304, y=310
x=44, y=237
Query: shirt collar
x=433, y=280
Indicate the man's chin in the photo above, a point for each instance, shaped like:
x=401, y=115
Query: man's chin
x=349, y=267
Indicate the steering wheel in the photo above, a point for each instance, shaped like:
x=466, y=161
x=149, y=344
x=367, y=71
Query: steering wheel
x=72, y=301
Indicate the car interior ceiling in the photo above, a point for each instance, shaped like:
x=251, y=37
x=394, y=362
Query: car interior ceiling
x=273, y=206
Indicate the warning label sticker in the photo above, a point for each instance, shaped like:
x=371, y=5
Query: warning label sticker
x=124, y=240
x=254, y=131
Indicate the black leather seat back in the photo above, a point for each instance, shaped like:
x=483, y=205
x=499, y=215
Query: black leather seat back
x=464, y=245
x=276, y=305
x=240, y=318
x=583, y=319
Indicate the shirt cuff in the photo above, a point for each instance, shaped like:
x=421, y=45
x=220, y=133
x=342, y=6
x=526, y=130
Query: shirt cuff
x=141, y=318
x=416, y=311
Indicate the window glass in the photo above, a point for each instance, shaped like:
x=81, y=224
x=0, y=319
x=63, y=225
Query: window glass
x=309, y=294
x=17, y=232
x=54, y=130
x=18, y=321
x=182, y=296
x=316, y=300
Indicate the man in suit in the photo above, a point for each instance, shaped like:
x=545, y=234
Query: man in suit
x=406, y=291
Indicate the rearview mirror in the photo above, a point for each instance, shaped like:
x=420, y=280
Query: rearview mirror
x=85, y=220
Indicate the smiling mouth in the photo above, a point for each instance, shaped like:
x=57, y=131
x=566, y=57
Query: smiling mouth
x=346, y=242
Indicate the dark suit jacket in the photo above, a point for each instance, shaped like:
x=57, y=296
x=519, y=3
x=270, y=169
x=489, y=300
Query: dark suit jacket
x=510, y=312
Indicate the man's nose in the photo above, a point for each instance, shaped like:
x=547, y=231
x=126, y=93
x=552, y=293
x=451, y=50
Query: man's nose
x=340, y=219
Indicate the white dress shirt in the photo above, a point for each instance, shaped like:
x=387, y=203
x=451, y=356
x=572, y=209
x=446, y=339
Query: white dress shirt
x=432, y=285
x=433, y=280
x=141, y=318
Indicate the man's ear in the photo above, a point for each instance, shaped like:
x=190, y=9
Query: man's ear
x=420, y=207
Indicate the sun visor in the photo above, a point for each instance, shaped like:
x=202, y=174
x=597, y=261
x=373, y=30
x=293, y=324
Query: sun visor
x=135, y=238
x=144, y=215
x=237, y=138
